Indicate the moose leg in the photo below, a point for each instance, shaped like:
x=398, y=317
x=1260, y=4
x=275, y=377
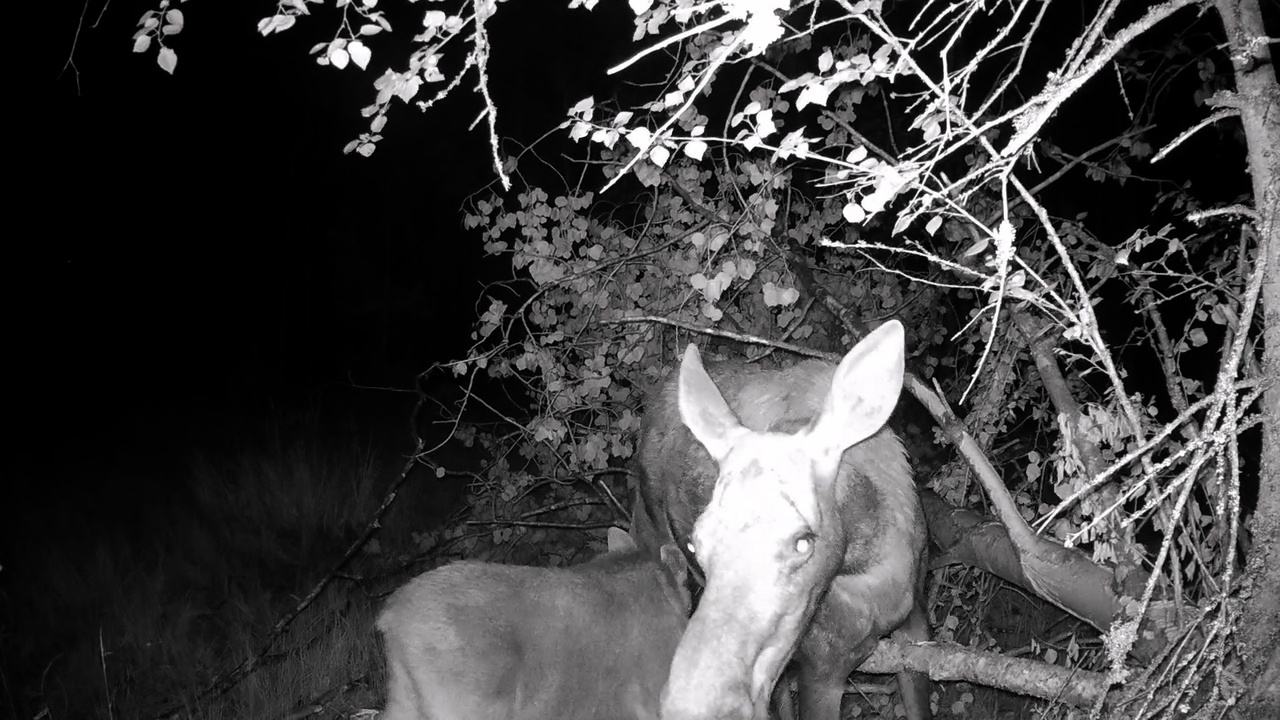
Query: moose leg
x=784, y=704
x=822, y=690
x=827, y=656
x=914, y=687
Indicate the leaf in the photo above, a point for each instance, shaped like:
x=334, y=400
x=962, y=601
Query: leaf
x=903, y=221
x=1223, y=315
x=360, y=53
x=796, y=82
x=167, y=59
x=648, y=175
x=141, y=43
x=639, y=137
x=793, y=144
x=876, y=201
x=434, y=18
x=605, y=137
x=277, y=23
x=584, y=108
x=718, y=240
x=370, y=29
x=695, y=149
x=771, y=295
x=977, y=247
x=853, y=213
x=815, y=94
x=659, y=156
x=715, y=286
x=764, y=123
x=825, y=61
x=932, y=129
x=339, y=58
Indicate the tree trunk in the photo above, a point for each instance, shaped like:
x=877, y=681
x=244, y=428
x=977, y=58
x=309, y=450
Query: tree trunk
x=1258, y=101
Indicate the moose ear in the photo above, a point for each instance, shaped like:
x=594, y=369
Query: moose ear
x=675, y=562
x=703, y=409
x=644, y=529
x=620, y=541
x=676, y=568
x=864, y=390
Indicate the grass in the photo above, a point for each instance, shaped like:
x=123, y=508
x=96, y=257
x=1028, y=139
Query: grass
x=125, y=618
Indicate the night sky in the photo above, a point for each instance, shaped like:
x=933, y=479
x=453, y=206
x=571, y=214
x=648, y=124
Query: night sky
x=185, y=229
x=191, y=250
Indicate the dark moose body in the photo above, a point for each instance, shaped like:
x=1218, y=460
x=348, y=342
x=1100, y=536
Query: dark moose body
x=801, y=509
x=482, y=641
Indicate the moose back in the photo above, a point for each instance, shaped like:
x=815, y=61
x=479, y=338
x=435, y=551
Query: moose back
x=800, y=507
x=477, y=641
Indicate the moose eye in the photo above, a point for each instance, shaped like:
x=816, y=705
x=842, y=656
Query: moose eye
x=804, y=543
x=691, y=548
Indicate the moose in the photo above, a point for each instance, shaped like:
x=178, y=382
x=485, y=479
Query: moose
x=799, y=506
x=483, y=641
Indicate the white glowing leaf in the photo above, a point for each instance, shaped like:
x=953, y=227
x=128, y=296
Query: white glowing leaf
x=167, y=60
x=639, y=137
x=695, y=149
x=360, y=53
x=853, y=213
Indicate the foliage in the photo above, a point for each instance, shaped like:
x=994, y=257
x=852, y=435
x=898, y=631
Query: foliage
x=753, y=227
